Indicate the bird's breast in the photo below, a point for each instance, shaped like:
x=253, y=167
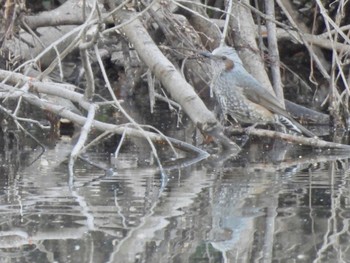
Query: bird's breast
x=233, y=102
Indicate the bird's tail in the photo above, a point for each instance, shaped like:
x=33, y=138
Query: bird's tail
x=295, y=126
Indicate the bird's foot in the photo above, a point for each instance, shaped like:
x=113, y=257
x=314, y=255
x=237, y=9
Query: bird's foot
x=250, y=128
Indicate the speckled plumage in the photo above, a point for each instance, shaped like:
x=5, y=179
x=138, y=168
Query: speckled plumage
x=241, y=96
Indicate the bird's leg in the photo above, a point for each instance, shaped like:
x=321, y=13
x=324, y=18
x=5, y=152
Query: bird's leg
x=280, y=127
x=220, y=114
x=223, y=116
x=242, y=140
x=251, y=127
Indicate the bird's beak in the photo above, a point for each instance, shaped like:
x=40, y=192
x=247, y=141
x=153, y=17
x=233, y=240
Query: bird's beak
x=206, y=54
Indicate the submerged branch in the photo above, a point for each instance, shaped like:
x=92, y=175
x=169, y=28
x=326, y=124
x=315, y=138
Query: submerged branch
x=299, y=140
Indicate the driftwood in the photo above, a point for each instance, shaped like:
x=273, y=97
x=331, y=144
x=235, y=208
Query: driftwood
x=129, y=36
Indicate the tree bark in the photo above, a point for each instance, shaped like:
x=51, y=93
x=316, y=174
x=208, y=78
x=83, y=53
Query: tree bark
x=172, y=80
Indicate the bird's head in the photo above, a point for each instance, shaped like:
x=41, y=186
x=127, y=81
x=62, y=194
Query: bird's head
x=224, y=59
x=227, y=52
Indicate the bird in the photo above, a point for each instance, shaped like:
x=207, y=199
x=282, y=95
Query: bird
x=243, y=97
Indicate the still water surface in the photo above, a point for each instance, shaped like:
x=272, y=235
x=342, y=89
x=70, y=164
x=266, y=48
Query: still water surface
x=213, y=211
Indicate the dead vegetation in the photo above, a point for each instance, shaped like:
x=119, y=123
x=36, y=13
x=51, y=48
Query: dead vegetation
x=155, y=45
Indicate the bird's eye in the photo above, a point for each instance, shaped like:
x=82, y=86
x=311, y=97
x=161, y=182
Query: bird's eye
x=224, y=58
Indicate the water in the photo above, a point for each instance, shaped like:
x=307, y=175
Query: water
x=250, y=208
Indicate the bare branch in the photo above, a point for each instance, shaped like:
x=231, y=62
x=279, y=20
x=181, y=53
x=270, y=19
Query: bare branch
x=273, y=51
x=82, y=140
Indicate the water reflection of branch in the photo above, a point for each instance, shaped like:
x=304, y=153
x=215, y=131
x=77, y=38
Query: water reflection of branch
x=297, y=161
x=119, y=210
x=134, y=243
x=273, y=166
x=337, y=225
x=86, y=211
x=17, y=238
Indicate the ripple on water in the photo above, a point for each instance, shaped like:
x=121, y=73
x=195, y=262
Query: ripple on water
x=199, y=213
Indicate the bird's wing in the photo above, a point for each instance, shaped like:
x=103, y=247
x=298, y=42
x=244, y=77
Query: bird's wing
x=261, y=96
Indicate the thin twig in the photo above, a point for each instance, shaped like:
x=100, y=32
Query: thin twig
x=82, y=139
x=116, y=152
x=16, y=120
x=121, y=108
x=227, y=23
x=301, y=36
x=151, y=90
x=117, y=27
